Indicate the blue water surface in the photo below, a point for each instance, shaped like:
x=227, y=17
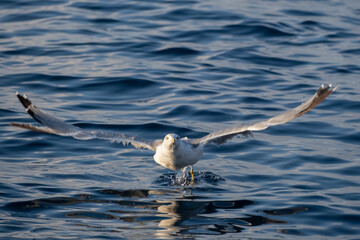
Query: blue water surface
x=188, y=67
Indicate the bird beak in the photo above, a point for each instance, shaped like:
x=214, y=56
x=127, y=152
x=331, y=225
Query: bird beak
x=172, y=140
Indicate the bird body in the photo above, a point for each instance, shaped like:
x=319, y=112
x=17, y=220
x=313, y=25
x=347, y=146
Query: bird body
x=171, y=152
x=175, y=153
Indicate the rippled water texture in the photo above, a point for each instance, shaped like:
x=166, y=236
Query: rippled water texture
x=188, y=67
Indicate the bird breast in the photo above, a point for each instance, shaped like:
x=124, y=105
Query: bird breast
x=181, y=156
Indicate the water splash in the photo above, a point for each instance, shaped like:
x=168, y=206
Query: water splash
x=183, y=178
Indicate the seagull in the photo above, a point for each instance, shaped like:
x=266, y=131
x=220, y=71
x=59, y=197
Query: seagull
x=171, y=152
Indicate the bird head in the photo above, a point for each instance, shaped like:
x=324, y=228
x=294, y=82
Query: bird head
x=171, y=140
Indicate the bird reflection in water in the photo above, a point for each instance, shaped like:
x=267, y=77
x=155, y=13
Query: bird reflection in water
x=187, y=216
x=165, y=213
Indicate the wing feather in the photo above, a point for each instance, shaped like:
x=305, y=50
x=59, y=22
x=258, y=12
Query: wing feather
x=54, y=125
x=224, y=135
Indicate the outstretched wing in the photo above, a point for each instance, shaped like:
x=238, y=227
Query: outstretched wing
x=54, y=125
x=224, y=135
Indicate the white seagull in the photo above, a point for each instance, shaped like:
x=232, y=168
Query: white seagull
x=171, y=152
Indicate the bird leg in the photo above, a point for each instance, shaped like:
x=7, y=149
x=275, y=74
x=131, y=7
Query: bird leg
x=192, y=173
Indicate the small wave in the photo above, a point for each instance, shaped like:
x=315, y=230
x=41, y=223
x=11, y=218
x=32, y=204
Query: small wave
x=176, y=52
x=23, y=17
x=303, y=13
x=251, y=55
x=40, y=204
x=183, y=14
x=108, y=7
x=258, y=29
x=38, y=51
x=355, y=51
x=104, y=21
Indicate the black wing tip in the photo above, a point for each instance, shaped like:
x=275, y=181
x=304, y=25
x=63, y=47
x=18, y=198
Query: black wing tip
x=23, y=99
x=28, y=105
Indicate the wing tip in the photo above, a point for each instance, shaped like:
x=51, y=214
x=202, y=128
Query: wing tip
x=325, y=90
x=23, y=99
x=329, y=87
x=29, y=107
x=336, y=87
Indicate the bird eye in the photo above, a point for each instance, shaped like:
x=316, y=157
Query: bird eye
x=177, y=138
x=166, y=138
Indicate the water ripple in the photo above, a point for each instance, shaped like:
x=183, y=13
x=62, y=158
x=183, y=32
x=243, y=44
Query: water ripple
x=188, y=67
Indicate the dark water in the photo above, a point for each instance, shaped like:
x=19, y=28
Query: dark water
x=188, y=67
